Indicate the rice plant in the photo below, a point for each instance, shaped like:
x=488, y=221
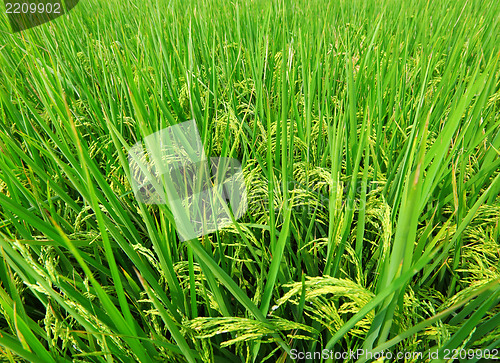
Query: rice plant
x=369, y=136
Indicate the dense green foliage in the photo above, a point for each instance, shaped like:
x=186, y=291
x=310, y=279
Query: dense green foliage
x=369, y=133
